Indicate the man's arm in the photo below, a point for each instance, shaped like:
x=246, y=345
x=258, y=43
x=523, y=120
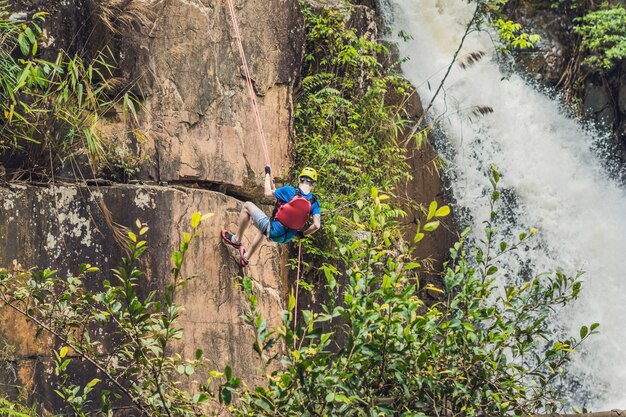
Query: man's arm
x=314, y=227
x=267, y=184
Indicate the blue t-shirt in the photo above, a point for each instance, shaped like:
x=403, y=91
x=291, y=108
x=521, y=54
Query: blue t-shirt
x=278, y=232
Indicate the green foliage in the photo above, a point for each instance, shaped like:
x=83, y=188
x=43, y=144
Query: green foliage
x=138, y=365
x=382, y=352
x=512, y=35
x=50, y=110
x=347, y=125
x=603, y=39
x=491, y=13
x=483, y=349
x=12, y=409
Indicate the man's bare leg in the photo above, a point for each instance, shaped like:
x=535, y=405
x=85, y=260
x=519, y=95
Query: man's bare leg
x=256, y=243
x=244, y=219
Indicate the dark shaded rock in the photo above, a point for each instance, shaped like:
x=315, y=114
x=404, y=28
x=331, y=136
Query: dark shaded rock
x=621, y=95
x=597, y=104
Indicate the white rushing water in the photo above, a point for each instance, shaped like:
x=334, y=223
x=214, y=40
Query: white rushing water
x=559, y=185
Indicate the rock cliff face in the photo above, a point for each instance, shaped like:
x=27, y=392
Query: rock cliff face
x=200, y=123
x=63, y=226
x=199, y=129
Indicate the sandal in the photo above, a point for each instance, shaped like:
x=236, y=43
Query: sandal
x=244, y=260
x=227, y=237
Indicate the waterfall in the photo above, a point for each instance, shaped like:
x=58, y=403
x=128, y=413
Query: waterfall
x=558, y=185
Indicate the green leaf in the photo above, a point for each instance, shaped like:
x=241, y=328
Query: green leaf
x=261, y=402
x=22, y=41
x=30, y=35
x=93, y=383
x=432, y=209
x=177, y=258
x=199, y=354
x=412, y=265
x=196, y=218
x=63, y=351
x=584, y=331
x=225, y=396
x=292, y=301
x=442, y=211
x=495, y=173
x=431, y=226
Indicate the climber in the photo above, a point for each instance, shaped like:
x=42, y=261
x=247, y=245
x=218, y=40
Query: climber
x=293, y=208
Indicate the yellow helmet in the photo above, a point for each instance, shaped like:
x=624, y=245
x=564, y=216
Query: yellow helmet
x=309, y=173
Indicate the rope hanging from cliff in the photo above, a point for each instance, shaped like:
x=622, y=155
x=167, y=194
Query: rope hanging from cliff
x=251, y=93
x=259, y=125
x=295, y=310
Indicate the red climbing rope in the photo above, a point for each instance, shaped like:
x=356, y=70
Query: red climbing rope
x=295, y=312
x=251, y=93
x=257, y=115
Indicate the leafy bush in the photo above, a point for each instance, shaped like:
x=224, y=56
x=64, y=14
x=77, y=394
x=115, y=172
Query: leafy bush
x=602, y=33
x=477, y=352
x=484, y=349
x=12, y=409
x=513, y=36
x=136, y=368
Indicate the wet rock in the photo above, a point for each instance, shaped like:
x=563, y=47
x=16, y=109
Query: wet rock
x=621, y=96
x=597, y=104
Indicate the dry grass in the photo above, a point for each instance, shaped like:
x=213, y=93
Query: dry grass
x=122, y=15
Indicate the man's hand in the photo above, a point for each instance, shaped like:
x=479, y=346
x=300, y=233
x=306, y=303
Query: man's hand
x=300, y=234
x=268, y=170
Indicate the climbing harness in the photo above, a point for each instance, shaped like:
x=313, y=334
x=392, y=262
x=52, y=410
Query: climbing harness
x=251, y=93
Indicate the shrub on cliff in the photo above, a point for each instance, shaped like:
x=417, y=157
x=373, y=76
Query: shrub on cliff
x=602, y=32
x=51, y=110
x=346, y=126
x=131, y=368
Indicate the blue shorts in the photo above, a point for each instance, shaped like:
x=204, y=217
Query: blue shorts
x=261, y=221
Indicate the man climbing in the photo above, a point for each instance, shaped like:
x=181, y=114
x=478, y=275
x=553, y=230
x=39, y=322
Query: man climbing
x=293, y=208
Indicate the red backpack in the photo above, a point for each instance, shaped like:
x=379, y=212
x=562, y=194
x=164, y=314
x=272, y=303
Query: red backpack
x=294, y=213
